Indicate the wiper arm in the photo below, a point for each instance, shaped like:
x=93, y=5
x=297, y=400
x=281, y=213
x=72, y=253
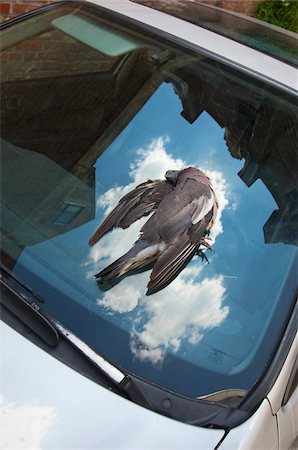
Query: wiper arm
x=5, y=270
x=29, y=312
x=48, y=329
x=119, y=378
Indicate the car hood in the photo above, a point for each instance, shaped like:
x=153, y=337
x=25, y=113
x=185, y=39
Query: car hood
x=46, y=404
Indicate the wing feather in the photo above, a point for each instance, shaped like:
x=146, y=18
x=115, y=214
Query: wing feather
x=192, y=222
x=134, y=205
x=170, y=263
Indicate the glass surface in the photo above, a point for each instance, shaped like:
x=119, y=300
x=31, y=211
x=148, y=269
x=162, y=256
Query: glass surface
x=80, y=129
x=274, y=41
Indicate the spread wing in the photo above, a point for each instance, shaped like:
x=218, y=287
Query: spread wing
x=137, y=203
x=193, y=221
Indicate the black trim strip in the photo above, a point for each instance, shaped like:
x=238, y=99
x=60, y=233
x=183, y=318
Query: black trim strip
x=29, y=314
x=261, y=390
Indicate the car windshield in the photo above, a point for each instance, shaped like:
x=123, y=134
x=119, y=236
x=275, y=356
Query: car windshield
x=274, y=41
x=92, y=108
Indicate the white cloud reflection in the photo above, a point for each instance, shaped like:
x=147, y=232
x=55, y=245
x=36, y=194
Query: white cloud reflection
x=190, y=304
x=182, y=311
x=151, y=163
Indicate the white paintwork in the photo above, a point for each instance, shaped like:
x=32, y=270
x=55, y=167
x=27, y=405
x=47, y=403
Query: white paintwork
x=276, y=394
x=252, y=60
x=273, y=426
x=47, y=405
x=287, y=415
x=257, y=433
x=287, y=418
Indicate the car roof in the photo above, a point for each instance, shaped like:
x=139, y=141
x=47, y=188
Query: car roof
x=197, y=38
x=274, y=41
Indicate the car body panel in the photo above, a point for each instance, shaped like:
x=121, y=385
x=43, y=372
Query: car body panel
x=46, y=404
x=286, y=410
x=276, y=394
x=257, y=433
x=278, y=420
x=287, y=419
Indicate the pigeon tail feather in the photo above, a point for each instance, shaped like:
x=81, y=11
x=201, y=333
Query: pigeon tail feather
x=137, y=257
x=170, y=263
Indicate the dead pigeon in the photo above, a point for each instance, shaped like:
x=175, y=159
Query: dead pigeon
x=185, y=208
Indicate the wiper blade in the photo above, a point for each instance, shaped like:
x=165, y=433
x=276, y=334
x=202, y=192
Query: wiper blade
x=118, y=377
x=48, y=329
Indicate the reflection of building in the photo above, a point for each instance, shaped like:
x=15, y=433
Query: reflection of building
x=40, y=200
x=62, y=105
x=259, y=130
x=60, y=117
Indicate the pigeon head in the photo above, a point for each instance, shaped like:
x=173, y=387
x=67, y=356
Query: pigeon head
x=172, y=176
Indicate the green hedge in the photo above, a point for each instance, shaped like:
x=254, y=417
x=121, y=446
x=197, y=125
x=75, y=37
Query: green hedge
x=283, y=13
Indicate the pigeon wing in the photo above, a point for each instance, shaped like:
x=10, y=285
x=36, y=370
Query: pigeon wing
x=199, y=217
x=203, y=217
x=134, y=205
x=180, y=210
x=171, y=262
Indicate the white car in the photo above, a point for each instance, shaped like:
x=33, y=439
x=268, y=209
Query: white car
x=99, y=99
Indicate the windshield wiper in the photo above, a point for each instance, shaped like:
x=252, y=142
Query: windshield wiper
x=197, y=411
x=49, y=330
x=8, y=273
x=25, y=308
x=117, y=376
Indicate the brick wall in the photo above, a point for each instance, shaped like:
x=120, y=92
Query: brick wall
x=11, y=8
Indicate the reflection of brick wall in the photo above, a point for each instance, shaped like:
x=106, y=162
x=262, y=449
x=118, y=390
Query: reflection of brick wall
x=49, y=55
x=11, y=8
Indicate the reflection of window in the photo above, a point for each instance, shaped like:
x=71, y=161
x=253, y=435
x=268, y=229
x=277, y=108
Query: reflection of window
x=67, y=213
x=58, y=55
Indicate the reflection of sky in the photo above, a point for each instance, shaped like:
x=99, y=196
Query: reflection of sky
x=207, y=315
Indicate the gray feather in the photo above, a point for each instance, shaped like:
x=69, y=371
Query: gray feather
x=170, y=263
x=134, y=205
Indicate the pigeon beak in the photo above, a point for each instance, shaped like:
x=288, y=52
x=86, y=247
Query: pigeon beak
x=172, y=176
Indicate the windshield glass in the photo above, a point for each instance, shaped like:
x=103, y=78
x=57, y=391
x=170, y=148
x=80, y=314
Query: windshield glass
x=274, y=41
x=84, y=122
